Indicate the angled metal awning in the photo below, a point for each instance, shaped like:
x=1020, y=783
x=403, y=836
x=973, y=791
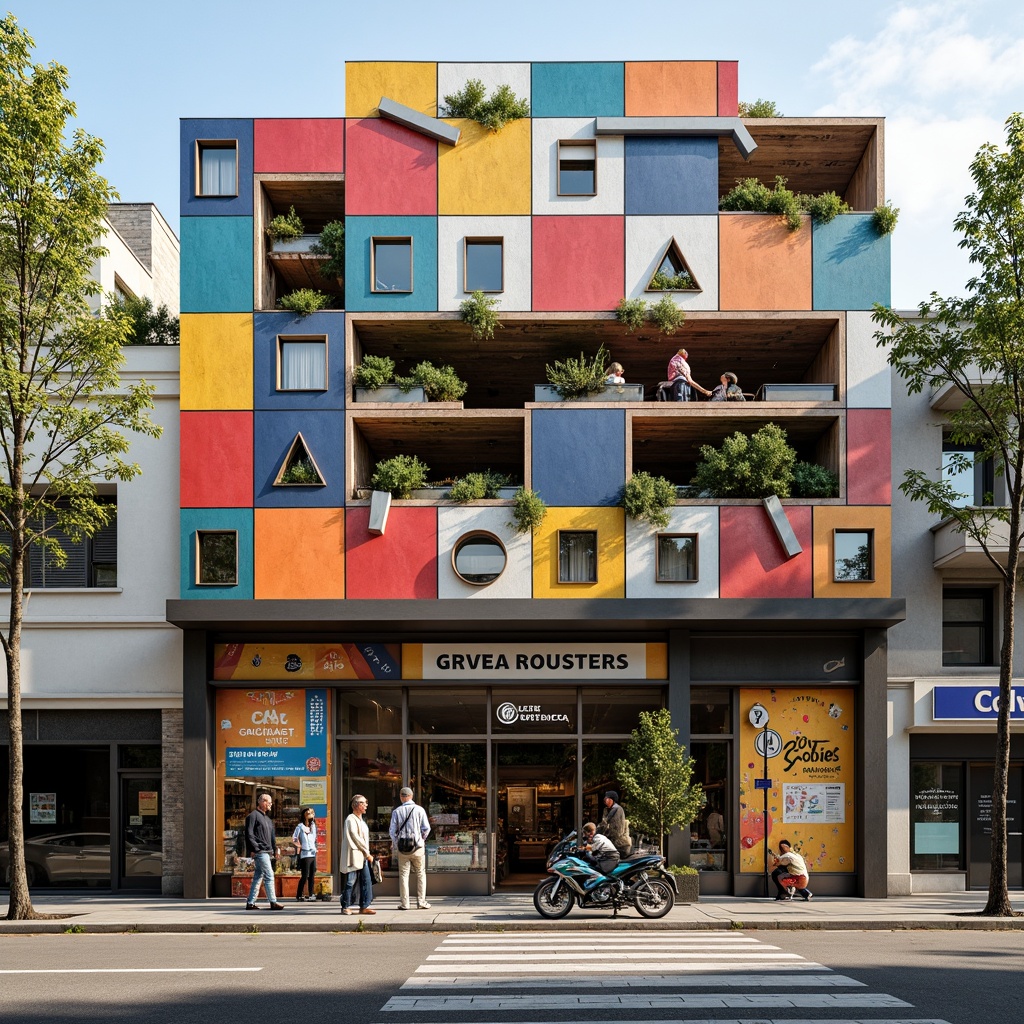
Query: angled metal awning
x=432, y=127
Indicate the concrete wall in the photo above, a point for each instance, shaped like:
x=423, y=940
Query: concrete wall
x=154, y=244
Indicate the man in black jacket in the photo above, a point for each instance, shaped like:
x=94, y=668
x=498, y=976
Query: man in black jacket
x=261, y=845
x=613, y=824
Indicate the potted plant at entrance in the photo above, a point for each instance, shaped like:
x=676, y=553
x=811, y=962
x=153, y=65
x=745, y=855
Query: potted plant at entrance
x=688, y=881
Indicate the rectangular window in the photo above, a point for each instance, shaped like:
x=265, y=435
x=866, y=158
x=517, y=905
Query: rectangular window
x=577, y=556
x=853, y=556
x=485, y=270
x=217, y=172
x=976, y=482
x=217, y=558
x=967, y=633
x=936, y=802
x=301, y=364
x=391, y=264
x=90, y=562
x=577, y=168
x=676, y=558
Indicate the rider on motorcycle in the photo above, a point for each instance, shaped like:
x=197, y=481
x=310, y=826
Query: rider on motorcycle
x=597, y=850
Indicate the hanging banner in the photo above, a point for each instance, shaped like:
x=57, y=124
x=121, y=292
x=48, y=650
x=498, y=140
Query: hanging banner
x=812, y=769
x=295, y=662
x=272, y=732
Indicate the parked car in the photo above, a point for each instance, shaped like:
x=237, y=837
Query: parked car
x=70, y=859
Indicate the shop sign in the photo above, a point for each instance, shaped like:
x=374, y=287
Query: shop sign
x=516, y=662
x=511, y=713
x=294, y=662
x=272, y=732
x=973, y=703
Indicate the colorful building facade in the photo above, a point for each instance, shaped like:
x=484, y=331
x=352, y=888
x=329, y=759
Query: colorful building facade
x=432, y=644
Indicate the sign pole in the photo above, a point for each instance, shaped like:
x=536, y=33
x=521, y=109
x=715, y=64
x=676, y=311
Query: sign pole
x=764, y=741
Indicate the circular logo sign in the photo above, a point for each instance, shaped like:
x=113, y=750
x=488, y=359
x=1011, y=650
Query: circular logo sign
x=507, y=713
x=768, y=743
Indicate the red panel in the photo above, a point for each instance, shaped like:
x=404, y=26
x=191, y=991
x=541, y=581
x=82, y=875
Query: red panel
x=869, y=457
x=728, y=88
x=579, y=263
x=400, y=564
x=752, y=561
x=299, y=144
x=216, y=460
x=389, y=170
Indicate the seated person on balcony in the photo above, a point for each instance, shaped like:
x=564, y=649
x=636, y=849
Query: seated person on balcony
x=597, y=850
x=680, y=385
x=615, y=374
x=728, y=390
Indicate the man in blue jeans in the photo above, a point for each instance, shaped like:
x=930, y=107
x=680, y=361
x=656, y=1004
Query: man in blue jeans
x=261, y=845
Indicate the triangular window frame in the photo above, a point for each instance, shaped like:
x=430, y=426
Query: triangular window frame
x=296, y=450
x=674, y=254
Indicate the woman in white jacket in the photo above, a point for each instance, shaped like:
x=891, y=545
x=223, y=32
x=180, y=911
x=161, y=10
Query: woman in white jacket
x=356, y=859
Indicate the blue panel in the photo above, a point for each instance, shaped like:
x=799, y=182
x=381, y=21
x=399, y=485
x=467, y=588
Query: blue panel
x=239, y=519
x=216, y=129
x=579, y=455
x=216, y=265
x=358, y=234
x=324, y=434
x=671, y=175
x=578, y=90
x=267, y=327
x=851, y=263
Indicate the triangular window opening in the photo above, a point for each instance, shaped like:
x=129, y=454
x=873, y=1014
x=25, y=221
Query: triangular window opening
x=299, y=468
x=673, y=273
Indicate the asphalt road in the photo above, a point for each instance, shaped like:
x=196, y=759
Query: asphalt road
x=959, y=977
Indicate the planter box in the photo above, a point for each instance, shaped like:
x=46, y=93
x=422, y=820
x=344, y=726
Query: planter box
x=689, y=888
x=392, y=394
x=797, y=393
x=300, y=244
x=611, y=393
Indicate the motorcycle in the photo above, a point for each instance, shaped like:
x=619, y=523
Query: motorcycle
x=639, y=881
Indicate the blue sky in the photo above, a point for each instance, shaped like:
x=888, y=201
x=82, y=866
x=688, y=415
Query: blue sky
x=944, y=74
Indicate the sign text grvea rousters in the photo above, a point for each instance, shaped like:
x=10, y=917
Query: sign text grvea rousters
x=535, y=661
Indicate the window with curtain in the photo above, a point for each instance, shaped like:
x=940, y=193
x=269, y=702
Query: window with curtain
x=302, y=364
x=676, y=558
x=218, y=175
x=577, y=556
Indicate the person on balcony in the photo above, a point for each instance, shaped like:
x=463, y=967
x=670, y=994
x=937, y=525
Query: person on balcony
x=680, y=385
x=728, y=390
x=615, y=374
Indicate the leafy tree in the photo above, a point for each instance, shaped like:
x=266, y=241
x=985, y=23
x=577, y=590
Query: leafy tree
x=759, y=108
x=746, y=467
x=976, y=344
x=657, y=776
x=63, y=409
x=148, y=326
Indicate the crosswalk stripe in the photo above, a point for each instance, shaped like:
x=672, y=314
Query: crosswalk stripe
x=597, y=968
x=602, y=946
x=630, y=1001
x=591, y=955
x=738, y=1020
x=559, y=938
x=824, y=980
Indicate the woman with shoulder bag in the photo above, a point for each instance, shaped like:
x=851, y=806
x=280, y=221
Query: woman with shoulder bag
x=356, y=859
x=304, y=838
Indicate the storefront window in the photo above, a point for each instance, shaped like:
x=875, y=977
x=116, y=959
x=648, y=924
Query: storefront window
x=709, y=849
x=450, y=781
x=710, y=711
x=145, y=757
x=617, y=710
x=240, y=796
x=371, y=712
x=374, y=770
x=936, y=813
x=599, y=777
x=447, y=711
x=543, y=711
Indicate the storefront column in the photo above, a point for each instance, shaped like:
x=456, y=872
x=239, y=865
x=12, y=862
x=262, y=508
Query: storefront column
x=199, y=828
x=872, y=834
x=679, y=708
x=900, y=701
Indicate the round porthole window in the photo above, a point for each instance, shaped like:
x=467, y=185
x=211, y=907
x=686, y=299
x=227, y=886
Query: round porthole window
x=479, y=558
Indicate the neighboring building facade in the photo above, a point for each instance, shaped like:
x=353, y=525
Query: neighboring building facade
x=944, y=673
x=328, y=652
x=101, y=667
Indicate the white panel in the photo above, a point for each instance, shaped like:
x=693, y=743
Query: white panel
x=641, y=554
x=697, y=238
x=452, y=78
x=451, y=252
x=868, y=375
x=547, y=132
x=452, y=523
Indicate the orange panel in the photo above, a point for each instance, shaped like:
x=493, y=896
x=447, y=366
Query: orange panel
x=299, y=553
x=762, y=264
x=672, y=88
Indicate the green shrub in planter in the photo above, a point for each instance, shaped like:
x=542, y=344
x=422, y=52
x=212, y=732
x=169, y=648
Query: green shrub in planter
x=374, y=372
x=480, y=312
x=688, y=880
x=667, y=315
x=477, y=486
x=680, y=282
x=631, y=313
x=400, y=475
x=884, y=218
x=753, y=196
x=647, y=498
x=301, y=471
x=285, y=226
x=304, y=301
x=528, y=511
x=439, y=383
x=825, y=207
x=746, y=467
x=811, y=481
x=493, y=113
x=331, y=243
x=573, y=378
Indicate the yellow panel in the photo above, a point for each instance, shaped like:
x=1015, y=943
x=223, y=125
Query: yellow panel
x=610, y=524
x=657, y=661
x=407, y=82
x=487, y=172
x=412, y=661
x=216, y=360
x=828, y=518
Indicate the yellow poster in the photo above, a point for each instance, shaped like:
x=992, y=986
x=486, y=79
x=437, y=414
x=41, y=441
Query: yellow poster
x=148, y=802
x=809, y=740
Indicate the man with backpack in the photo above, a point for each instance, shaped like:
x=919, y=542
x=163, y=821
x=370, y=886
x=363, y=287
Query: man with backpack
x=409, y=830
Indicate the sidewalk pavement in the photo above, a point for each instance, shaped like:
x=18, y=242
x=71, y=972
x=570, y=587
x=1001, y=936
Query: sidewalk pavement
x=515, y=912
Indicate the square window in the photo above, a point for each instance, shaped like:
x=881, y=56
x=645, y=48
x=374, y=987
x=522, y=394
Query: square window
x=301, y=364
x=968, y=637
x=391, y=264
x=853, y=556
x=217, y=171
x=975, y=482
x=485, y=271
x=676, y=558
x=577, y=168
x=217, y=557
x=577, y=556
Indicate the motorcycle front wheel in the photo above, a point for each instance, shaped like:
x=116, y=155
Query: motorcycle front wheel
x=655, y=898
x=552, y=904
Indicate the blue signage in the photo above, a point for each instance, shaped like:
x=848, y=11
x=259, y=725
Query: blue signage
x=286, y=737
x=973, y=703
x=762, y=783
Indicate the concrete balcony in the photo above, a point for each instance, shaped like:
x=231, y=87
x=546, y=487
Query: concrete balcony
x=957, y=550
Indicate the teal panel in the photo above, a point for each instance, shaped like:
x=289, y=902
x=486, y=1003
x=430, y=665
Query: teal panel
x=579, y=90
x=359, y=232
x=239, y=519
x=216, y=265
x=851, y=263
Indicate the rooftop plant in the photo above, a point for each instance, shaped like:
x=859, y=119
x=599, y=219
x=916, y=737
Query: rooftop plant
x=304, y=301
x=647, y=499
x=285, y=226
x=480, y=312
x=400, y=475
x=575, y=378
x=752, y=195
x=374, y=372
x=331, y=243
x=884, y=218
x=759, y=108
x=439, y=383
x=746, y=467
x=494, y=113
x=528, y=511
x=478, y=486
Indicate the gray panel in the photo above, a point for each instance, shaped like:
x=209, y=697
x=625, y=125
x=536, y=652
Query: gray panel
x=962, y=746
x=872, y=791
x=785, y=658
x=84, y=726
x=200, y=829
x=413, y=119
x=731, y=126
